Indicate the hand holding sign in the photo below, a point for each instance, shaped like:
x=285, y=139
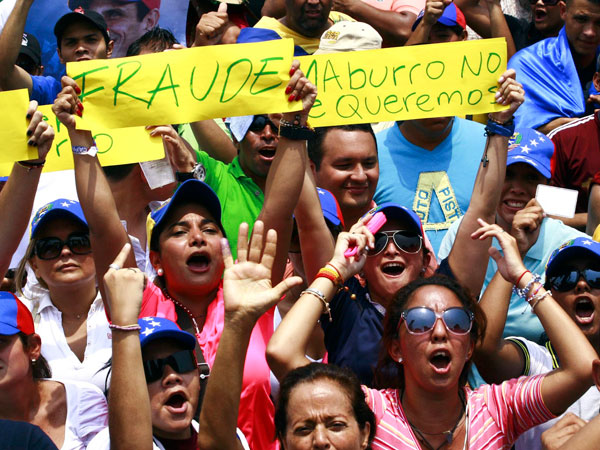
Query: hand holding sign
x=510, y=93
x=40, y=133
x=67, y=103
x=300, y=88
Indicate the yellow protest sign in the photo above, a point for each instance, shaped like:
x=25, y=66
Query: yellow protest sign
x=13, y=132
x=406, y=82
x=185, y=85
x=115, y=146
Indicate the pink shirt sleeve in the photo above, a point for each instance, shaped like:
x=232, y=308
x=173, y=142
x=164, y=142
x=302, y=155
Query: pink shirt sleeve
x=413, y=6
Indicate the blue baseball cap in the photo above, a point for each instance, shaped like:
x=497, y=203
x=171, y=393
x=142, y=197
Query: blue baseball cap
x=330, y=207
x=61, y=207
x=531, y=147
x=573, y=249
x=395, y=211
x=451, y=17
x=14, y=316
x=190, y=191
x=160, y=328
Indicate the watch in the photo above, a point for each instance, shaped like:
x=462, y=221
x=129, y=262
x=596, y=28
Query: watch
x=294, y=131
x=197, y=173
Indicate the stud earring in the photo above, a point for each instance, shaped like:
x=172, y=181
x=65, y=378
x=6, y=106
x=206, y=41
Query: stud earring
x=160, y=272
x=400, y=360
x=33, y=361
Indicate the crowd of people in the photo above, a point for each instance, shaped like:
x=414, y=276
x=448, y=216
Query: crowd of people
x=366, y=286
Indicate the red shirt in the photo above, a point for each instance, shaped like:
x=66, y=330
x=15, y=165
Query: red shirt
x=576, y=156
x=256, y=412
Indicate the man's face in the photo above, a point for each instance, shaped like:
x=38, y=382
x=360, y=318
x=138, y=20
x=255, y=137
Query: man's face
x=546, y=18
x=123, y=23
x=349, y=168
x=308, y=17
x=440, y=34
x=582, y=25
x=257, y=149
x=82, y=41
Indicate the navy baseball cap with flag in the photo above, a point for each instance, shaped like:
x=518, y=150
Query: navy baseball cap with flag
x=395, y=211
x=531, y=147
x=451, y=17
x=572, y=250
x=14, y=316
x=61, y=207
x=153, y=328
x=330, y=207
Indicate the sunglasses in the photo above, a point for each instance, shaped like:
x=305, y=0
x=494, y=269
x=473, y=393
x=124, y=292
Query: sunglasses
x=407, y=241
x=260, y=122
x=564, y=282
x=546, y=2
x=51, y=247
x=421, y=320
x=181, y=362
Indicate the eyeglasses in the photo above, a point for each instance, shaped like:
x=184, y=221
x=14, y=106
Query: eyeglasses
x=181, y=362
x=407, y=241
x=564, y=282
x=51, y=247
x=546, y=2
x=260, y=122
x=421, y=320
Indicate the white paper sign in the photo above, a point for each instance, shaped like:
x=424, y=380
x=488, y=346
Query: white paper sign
x=557, y=201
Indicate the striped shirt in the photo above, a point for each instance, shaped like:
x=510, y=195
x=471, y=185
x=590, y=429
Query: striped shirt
x=497, y=415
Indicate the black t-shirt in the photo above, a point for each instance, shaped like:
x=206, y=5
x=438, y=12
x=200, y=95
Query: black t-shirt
x=524, y=33
x=23, y=436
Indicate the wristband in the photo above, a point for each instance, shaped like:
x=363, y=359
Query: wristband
x=295, y=132
x=29, y=165
x=83, y=150
x=506, y=129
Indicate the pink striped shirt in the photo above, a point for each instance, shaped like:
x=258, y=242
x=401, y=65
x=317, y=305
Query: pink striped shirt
x=498, y=414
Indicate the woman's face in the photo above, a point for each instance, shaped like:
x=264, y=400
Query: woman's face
x=582, y=302
x=190, y=250
x=320, y=415
x=174, y=397
x=68, y=268
x=519, y=187
x=433, y=360
x=392, y=269
x=15, y=360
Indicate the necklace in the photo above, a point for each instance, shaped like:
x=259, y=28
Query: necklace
x=187, y=311
x=448, y=434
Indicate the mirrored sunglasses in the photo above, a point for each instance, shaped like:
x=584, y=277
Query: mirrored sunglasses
x=407, y=241
x=181, y=362
x=421, y=320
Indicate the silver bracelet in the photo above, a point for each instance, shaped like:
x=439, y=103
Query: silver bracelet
x=133, y=327
x=318, y=294
x=83, y=150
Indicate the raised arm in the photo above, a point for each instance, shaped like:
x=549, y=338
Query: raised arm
x=17, y=195
x=394, y=27
x=287, y=347
x=107, y=234
x=11, y=75
x=286, y=174
x=468, y=259
x=433, y=11
x=564, y=385
x=128, y=400
x=213, y=140
x=248, y=294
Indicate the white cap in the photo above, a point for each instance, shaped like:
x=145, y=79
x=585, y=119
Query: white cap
x=349, y=36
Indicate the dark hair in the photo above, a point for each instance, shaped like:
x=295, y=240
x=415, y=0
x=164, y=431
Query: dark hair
x=118, y=172
x=390, y=373
x=315, y=372
x=40, y=367
x=315, y=144
x=157, y=39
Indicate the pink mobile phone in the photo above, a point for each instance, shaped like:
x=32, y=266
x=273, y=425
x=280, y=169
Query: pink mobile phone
x=374, y=225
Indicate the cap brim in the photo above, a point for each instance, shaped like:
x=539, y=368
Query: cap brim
x=8, y=330
x=570, y=253
x=393, y=211
x=186, y=339
x=73, y=17
x=531, y=162
x=55, y=214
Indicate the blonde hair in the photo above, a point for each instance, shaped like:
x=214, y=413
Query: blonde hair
x=22, y=267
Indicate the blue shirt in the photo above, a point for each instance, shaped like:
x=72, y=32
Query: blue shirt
x=437, y=184
x=44, y=89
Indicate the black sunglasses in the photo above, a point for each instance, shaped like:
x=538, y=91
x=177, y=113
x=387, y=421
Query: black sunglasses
x=546, y=2
x=407, y=241
x=260, y=122
x=181, y=362
x=563, y=282
x=421, y=319
x=51, y=247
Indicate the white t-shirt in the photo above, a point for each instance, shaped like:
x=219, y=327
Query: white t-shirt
x=539, y=360
x=64, y=364
x=87, y=414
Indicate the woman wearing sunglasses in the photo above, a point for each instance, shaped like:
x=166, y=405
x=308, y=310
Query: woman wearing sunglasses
x=69, y=313
x=573, y=278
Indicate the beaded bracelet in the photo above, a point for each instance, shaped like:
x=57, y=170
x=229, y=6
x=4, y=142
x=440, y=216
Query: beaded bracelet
x=523, y=293
x=133, y=327
x=533, y=301
x=318, y=294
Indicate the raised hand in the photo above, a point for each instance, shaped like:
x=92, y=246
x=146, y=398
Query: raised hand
x=359, y=236
x=510, y=264
x=511, y=93
x=39, y=132
x=247, y=288
x=179, y=154
x=526, y=225
x=124, y=288
x=67, y=103
x=300, y=88
x=212, y=26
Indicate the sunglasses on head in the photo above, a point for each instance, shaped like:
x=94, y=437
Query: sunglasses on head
x=421, y=320
x=181, y=362
x=566, y=281
x=407, y=241
x=546, y=2
x=51, y=247
x=260, y=122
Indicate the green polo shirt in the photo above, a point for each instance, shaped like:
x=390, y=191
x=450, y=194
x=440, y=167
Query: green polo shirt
x=241, y=199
